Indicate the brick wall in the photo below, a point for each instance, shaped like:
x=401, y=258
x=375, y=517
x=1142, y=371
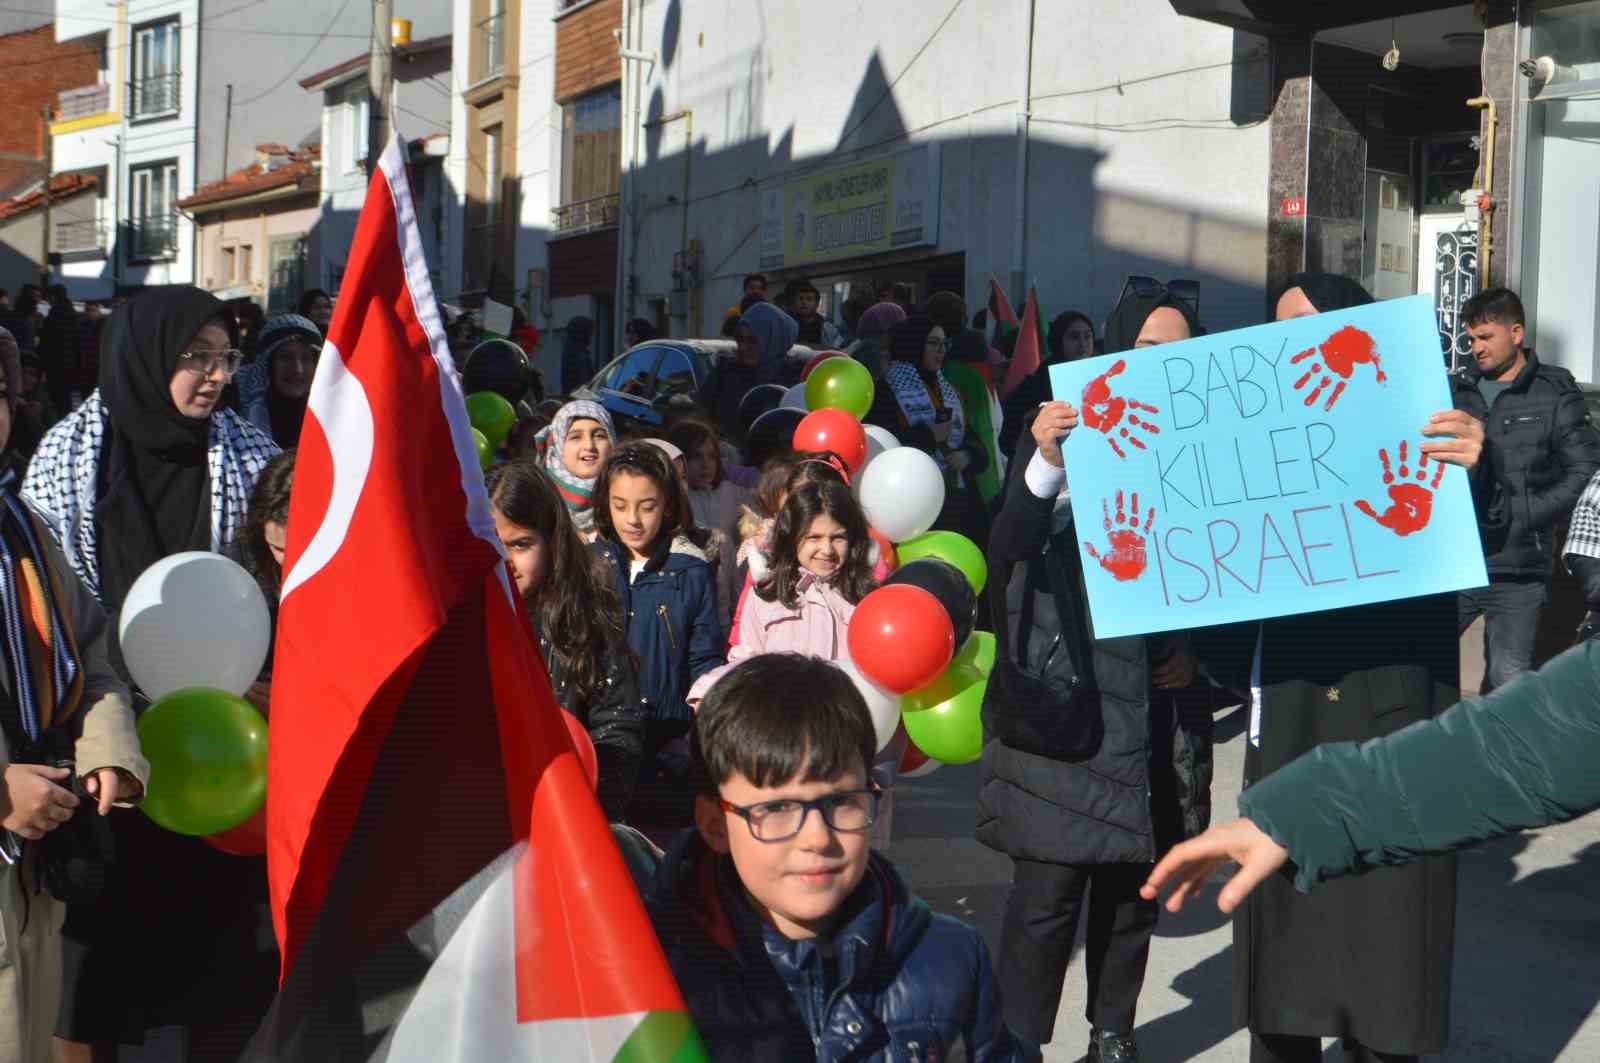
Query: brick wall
x=36, y=68
x=586, y=53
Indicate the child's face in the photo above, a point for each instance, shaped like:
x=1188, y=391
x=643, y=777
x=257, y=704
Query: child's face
x=585, y=448
x=528, y=552
x=823, y=546
x=637, y=511
x=796, y=884
x=702, y=461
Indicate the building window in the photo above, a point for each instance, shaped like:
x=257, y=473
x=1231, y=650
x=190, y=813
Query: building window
x=155, y=70
x=286, y=263
x=152, y=214
x=492, y=42
x=591, y=161
x=358, y=119
x=247, y=273
x=230, y=265
x=491, y=176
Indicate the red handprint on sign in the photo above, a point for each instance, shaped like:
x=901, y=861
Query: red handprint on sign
x=1340, y=353
x=1411, y=503
x=1104, y=412
x=1125, y=556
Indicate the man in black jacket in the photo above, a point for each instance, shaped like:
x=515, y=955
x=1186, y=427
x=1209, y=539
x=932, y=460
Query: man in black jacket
x=1540, y=451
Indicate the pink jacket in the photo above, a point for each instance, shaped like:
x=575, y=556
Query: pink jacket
x=816, y=628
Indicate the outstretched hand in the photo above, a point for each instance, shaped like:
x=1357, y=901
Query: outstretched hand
x=1187, y=867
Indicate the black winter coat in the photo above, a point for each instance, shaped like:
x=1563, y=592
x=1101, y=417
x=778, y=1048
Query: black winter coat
x=1148, y=783
x=1539, y=453
x=1365, y=957
x=894, y=983
x=615, y=720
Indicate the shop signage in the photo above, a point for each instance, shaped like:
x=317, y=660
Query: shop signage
x=866, y=208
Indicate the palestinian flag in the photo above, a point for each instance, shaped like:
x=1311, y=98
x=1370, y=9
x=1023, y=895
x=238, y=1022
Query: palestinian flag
x=1000, y=311
x=444, y=885
x=1025, y=356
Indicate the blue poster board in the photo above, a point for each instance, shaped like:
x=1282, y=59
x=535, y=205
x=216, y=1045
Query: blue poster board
x=1265, y=472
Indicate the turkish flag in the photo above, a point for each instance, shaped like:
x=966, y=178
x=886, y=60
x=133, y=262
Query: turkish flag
x=415, y=744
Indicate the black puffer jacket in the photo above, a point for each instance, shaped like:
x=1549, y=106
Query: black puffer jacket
x=1148, y=783
x=615, y=720
x=1539, y=453
x=895, y=981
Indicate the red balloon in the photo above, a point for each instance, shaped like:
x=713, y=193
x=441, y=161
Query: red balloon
x=818, y=359
x=835, y=430
x=913, y=758
x=247, y=839
x=901, y=638
x=887, y=561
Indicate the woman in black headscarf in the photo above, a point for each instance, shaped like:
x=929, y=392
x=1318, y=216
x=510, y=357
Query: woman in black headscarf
x=1071, y=337
x=149, y=466
x=1082, y=829
x=1366, y=959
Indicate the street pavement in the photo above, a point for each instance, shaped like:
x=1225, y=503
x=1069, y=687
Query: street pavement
x=1527, y=961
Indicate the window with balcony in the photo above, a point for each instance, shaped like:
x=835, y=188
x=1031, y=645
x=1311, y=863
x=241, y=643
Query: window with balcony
x=154, y=90
x=286, y=266
x=152, y=210
x=78, y=224
x=86, y=100
x=358, y=122
x=591, y=162
x=492, y=42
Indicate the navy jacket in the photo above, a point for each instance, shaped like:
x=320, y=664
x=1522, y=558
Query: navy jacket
x=673, y=628
x=1539, y=452
x=895, y=983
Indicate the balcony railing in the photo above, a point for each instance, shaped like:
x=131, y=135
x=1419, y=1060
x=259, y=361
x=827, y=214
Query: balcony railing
x=83, y=102
x=154, y=96
x=155, y=237
x=492, y=47
x=79, y=236
x=587, y=215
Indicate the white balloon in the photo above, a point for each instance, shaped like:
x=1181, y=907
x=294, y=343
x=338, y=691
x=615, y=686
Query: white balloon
x=194, y=619
x=795, y=398
x=879, y=439
x=883, y=705
x=902, y=492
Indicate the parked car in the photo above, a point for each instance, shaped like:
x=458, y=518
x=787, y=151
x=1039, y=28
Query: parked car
x=644, y=383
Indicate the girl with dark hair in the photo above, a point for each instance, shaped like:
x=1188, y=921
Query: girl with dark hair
x=266, y=527
x=317, y=305
x=667, y=590
x=576, y=620
x=716, y=499
x=821, y=568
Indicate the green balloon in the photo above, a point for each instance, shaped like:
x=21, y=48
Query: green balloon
x=492, y=415
x=485, y=451
x=840, y=384
x=944, y=719
x=949, y=546
x=978, y=652
x=208, y=761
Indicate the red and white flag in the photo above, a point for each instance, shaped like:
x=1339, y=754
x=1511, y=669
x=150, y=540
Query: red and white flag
x=415, y=743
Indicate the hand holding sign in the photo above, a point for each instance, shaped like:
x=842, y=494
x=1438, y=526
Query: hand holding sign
x=1412, y=503
x=1341, y=353
x=1104, y=411
x=1051, y=426
x=1454, y=436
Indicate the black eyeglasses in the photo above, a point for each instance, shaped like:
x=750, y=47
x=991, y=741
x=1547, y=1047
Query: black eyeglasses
x=850, y=812
x=1186, y=292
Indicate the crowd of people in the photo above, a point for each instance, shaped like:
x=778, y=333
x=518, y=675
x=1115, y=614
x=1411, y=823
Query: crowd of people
x=690, y=588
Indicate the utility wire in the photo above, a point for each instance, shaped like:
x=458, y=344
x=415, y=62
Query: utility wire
x=303, y=59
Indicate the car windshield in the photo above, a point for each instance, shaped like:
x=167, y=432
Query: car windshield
x=631, y=374
x=675, y=375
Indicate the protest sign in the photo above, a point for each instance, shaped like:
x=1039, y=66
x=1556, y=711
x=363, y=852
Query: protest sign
x=1267, y=471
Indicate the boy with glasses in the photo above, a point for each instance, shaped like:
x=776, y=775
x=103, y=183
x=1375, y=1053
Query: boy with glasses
x=790, y=938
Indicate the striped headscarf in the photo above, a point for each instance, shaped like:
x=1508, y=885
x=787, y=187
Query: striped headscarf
x=576, y=491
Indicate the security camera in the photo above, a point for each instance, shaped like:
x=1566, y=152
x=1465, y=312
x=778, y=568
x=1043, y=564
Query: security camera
x=1545, y=71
